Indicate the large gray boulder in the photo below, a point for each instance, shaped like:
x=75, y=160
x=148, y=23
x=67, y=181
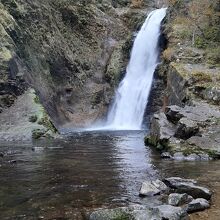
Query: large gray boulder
x=151, y=188
x=188, y=186
x=196, y=205
x=161, y=130
x=148, y=189
x=209, y=142
x=173, y=181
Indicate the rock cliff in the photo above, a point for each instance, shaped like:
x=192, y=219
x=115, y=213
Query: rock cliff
x=72, y=53
x=188, y=124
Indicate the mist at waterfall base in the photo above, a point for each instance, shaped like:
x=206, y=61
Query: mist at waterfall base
x=128, y=108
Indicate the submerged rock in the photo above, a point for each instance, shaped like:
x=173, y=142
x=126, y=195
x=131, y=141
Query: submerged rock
x=12, y=161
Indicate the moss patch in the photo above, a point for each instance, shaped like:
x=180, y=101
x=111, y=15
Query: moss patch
x=41, y=117
x=33, y=118
x=201, y=76
x=46, y=122
x=38, y=133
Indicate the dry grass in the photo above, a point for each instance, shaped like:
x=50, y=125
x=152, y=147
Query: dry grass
x=201, y=77
x=137, y=3
x=168, y=54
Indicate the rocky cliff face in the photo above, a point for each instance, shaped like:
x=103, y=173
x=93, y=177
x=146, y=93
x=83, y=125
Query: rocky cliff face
x=72, y=53
x=189, y=121
x=63, y=50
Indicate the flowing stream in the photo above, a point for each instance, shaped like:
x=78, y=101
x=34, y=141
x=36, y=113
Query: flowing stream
x=131, y=97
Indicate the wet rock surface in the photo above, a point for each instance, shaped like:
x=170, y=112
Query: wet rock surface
x=188, y=186
x=151, y=188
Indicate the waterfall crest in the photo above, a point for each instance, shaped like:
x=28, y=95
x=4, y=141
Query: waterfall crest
x=127, y=110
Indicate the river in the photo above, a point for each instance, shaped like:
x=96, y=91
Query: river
x=68, y=178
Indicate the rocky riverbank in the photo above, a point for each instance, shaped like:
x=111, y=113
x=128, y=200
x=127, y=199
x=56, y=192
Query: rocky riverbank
x=188, y=125
x=26, y=119
x=178, y=197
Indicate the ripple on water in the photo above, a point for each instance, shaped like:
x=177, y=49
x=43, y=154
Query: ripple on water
x=66, y=178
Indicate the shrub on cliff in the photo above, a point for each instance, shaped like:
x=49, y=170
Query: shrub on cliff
x=198, y=23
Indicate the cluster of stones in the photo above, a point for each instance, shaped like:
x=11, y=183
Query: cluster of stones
x=186, y=133
x=183, y=196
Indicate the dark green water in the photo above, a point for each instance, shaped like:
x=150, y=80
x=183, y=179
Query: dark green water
x=67, y=179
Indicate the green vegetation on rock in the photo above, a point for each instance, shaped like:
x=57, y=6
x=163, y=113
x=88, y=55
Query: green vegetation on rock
x=197, y=24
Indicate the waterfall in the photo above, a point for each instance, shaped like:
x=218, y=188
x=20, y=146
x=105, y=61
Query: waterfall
x=127, y=110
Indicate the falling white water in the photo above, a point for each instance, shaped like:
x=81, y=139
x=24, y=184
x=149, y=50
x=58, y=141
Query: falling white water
x=131, y=98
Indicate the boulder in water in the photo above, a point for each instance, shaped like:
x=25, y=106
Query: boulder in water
x=188, y=186
x=148, y=189
x=176, y=199
x=151, y=188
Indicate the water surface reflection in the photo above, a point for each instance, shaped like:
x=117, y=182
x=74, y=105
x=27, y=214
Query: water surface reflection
x=65, y=179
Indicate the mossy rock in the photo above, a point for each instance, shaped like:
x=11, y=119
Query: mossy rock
x=38, y=133
x=46, y=122
x=151, y=140
x=33, y=118
x=213, y=56
x=123, y=216
x=41, y=116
